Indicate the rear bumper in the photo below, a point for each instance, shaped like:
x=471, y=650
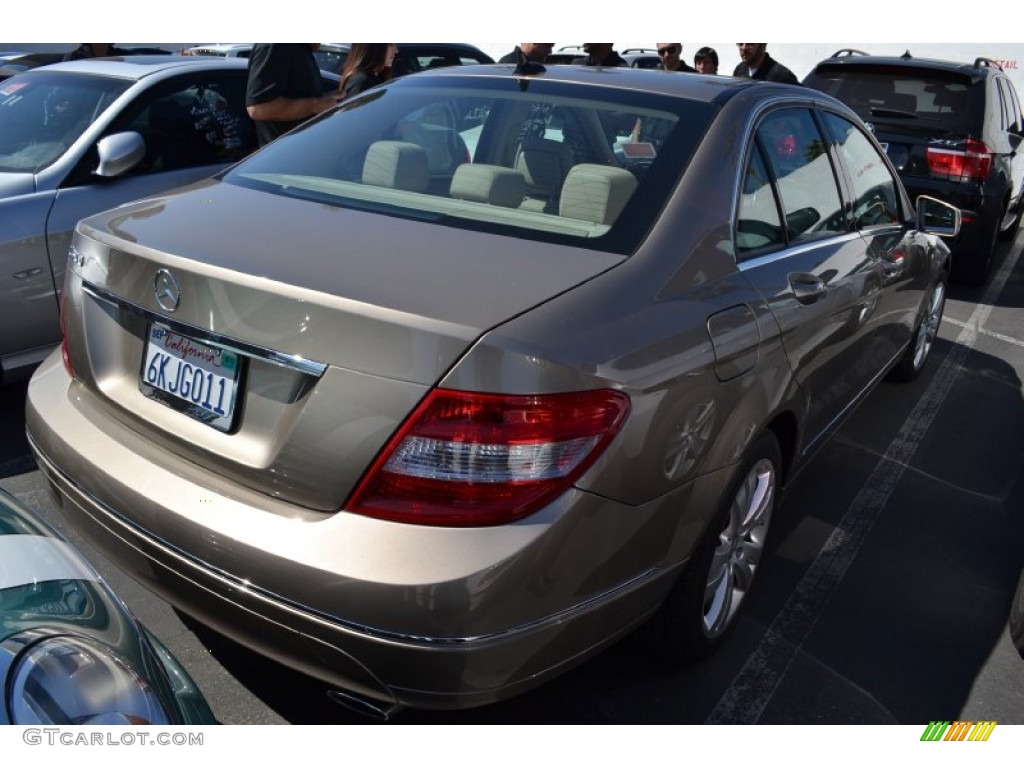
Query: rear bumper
x=390, y=664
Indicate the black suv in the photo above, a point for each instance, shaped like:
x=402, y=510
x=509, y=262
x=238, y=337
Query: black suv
x=952, y=131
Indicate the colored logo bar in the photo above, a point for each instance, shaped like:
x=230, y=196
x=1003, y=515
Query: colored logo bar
x=959, y=730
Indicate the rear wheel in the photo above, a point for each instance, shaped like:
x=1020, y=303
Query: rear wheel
x=705, y=602
x=1010, y=232
x=1017, y=618
x=973, y=268
x=914, y=359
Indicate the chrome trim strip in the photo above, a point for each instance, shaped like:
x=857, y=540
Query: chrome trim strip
x=294, y=362
x=794, y=250
x=245, y=587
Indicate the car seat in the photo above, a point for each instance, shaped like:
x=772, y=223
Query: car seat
x=544, y=164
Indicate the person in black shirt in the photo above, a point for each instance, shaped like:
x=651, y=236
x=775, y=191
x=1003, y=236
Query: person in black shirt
x=92, y=51
x=532, y=51
x=671, y=57
x=600, y=55
x=284, y=88
x=755, y=63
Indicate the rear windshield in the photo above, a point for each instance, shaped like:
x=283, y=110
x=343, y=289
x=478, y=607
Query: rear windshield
x=43, y=113
x=531, y=159
x=902, y=93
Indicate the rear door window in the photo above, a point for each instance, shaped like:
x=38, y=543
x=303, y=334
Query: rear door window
x=798, y=158
x=758, y=224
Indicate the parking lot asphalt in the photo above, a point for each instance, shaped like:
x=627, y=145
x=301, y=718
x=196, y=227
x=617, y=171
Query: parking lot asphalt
x=892, y=563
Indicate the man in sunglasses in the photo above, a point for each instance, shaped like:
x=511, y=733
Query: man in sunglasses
x=671, y=57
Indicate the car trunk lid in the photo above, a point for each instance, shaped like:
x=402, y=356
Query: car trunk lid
x=339, y=322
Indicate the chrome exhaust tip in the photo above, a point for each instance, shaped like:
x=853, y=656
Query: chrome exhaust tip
x=375, y=710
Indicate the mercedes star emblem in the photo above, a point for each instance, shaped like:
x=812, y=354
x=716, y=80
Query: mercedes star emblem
x=166, y=290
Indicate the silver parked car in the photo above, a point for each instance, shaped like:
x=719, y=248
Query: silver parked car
x=452, y=387
x=83, y=136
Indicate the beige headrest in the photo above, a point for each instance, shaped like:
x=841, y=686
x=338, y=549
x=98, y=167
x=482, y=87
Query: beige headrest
x=492, y=184
x=596, y=193
x=396, y=164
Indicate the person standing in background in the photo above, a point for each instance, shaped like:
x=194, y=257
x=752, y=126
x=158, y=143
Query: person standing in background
x=756, y=64
x=284, y=88
x=92, y=51
x=532, y=51
x=671, y=57
x=367, y=65
x=706, y=61
x=600, y=55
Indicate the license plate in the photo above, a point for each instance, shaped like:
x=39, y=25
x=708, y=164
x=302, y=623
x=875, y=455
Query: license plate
x=191, y=376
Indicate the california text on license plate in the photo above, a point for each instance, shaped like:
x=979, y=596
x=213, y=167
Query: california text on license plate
x=200, y=379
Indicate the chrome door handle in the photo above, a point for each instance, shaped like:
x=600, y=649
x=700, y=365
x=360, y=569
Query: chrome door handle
x=806, y=287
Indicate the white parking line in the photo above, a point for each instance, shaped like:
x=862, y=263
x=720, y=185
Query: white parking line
x=754, y=685
x=983, y=332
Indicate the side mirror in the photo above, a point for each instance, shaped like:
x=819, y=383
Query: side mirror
x=937, y=218
x=119, y=153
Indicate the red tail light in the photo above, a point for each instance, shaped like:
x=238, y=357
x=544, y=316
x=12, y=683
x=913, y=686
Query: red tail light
x=64, y=336
x=472, y=459
x=969, y=164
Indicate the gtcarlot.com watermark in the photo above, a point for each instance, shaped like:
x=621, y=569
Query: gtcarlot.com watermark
x=78, y=737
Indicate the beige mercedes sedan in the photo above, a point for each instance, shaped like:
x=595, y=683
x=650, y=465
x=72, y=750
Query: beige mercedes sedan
x=452, y=387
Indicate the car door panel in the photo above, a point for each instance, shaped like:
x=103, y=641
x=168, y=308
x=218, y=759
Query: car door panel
x=877, y=212
x=799, y=252
x=27, y=303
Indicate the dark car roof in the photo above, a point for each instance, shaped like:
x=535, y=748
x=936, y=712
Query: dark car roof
x=711, y=88
x=975, y=71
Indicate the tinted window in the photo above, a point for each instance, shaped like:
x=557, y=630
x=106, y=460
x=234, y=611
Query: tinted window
x=798, y=159
x=758, y=225
x=1011, y=112
x=1015, y=115
x=874, y=188
x=556, y=162
x=880, y=92
x=192, y=123
x=42, y=114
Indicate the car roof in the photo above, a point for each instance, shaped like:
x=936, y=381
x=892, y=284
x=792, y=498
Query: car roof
x=848, y=58
x=712, y=88
x=140, y=67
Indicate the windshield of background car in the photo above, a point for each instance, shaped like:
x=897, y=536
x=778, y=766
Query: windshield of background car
x=912, y=93
x=44, y=113
x=556, y=162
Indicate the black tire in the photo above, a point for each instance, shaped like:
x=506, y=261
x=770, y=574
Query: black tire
x=1011, y=232
x=1017, y=617
x=919, y=350
x=972, y=268
x=703, y=606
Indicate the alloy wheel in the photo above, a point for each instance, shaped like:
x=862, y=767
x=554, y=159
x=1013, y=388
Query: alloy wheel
x=740, y=547
x=929, y=327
